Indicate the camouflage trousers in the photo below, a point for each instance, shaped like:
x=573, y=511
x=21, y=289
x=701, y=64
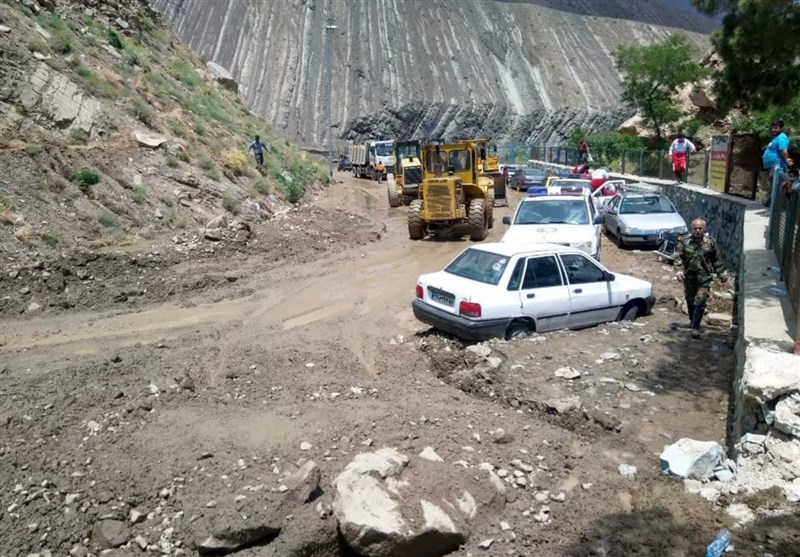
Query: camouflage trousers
x=697, y=290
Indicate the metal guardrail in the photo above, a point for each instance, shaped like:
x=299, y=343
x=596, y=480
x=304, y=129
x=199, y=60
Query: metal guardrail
x=784, y=238
x=658, y=164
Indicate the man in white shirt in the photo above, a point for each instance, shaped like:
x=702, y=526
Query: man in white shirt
x=679, y=153
x=599, y=177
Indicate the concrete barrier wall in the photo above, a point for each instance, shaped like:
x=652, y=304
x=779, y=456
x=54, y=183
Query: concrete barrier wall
x=766, y=371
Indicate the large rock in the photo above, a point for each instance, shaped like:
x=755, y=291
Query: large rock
x=701, y=97
x=110, y=533
x=390, y=506
x=58, y=100
x=149, y=140
x=787, y=414
x=223, y=76
x=770, y=373
x=691, y=459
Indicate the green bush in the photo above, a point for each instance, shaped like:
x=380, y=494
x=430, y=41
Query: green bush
x=33, y=149
x=79, y=134
x=60, y=43
x=5, y=203
x=186, y=73
x=231, y=203
x=205, y=163
x=294, y=191
x=38, y=45
x=85, y=178
x=143, y=112
x=107, y=218
x=131, y=57
x=262, y=186
x=50, y=239
x=175, y=220
x=114, y=39
x=139, y=194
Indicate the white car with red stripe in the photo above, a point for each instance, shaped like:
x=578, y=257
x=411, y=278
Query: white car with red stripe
x=510, y=291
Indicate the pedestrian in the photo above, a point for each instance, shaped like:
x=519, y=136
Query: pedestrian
x=380, y=170
x=258, y=149
x=776, y=155
x=583, y=151
x=599, y=177
x=697, y=259
x=679, y=153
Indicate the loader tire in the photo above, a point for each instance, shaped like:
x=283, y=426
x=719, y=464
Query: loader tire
x=416, y=226
x=478, y=220
x=394, y=199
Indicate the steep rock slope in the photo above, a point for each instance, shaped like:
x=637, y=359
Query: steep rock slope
x=528, y=70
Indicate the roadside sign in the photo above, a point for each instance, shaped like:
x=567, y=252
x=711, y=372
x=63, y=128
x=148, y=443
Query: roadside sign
x=720, y=157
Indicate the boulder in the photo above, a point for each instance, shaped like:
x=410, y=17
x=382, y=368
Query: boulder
x=56, y=97
x=223, y=76
x=213, y=234
x=691, y=459
x=567, y=372
x=632, y=126
x=700, y=97
x=110, y=533
x=220, y=221
x=148, y=140
x=770, y=373
x=787, y=414
x=388, y=505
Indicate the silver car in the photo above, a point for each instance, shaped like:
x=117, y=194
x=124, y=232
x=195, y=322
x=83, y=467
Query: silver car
x=641, y=219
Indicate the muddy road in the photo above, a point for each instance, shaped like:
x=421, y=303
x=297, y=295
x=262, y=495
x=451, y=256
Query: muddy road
x=157, y=407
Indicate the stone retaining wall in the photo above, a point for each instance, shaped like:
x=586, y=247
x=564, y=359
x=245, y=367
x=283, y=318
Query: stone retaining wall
x=767, y=376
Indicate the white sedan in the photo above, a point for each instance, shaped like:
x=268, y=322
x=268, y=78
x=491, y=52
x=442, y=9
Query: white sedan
x=510, y=291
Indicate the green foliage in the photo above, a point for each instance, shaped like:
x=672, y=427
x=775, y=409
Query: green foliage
x=294, y=192
x=208, y=107
x=262, y=186
x=107, y=218
x=60, y=43
x=652, y=77
x=114, y=39
x=186, y=73
x=5, y=203
x=758, y=46
x=143, y=112
x=78, y=134
x=236, y=161
x=33, y=149
x=231, y=203
x=760, y=121
x=608, y=147
x=50, y=239
x=38, y=45
x=131, y=57
x=174, y=219
x=86, y=178
x=139, y=194
x=206, y=163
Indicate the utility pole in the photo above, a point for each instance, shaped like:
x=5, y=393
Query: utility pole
x=329, y=29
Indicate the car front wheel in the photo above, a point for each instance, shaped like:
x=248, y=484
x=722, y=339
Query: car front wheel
x=519, y=330
x=630, y=312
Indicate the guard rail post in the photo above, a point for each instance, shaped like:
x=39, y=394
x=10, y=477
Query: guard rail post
x=624, y=154
x=641, y=162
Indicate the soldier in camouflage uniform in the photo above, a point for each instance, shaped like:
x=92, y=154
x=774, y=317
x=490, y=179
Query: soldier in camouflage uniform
x=697, y=259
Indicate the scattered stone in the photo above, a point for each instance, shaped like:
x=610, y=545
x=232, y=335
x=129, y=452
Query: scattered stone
x=769, y=373
x=564, y=405
x=480, y=350
x=567, y=372
x=494, y=362
x=4, y=29
x=486, y=544
x=609, y=356
x=719, y=319
x=632, y=387
x=122, y=23
x=109, y=534
x=741, y=513
x=500, y=436
x=136, y=516
x=305, y=446
x=78, y=551
x=787, y=414
x=33, y=307
x=691, y=459
x=792, y=491
x=627, y=470
x=148, y=140
x=604, y=419
x=429, y=454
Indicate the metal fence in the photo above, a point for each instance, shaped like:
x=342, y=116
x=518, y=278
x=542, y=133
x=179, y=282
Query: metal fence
x=784, y=237
x=658, y=164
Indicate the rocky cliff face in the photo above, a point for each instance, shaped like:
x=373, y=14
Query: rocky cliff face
x=525, y=70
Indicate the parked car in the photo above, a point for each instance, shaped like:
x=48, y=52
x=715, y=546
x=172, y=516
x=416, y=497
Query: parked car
x=525, y=178
x=345, y=163
x=510, y=291
x=569, y=186
x=570, y=220
x=634, y=218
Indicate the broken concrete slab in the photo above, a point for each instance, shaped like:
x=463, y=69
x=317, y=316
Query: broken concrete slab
x=693, y=459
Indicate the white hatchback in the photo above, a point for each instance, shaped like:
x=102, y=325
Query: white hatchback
x=509, y=291
x=570, y=220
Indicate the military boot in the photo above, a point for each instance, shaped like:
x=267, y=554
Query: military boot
x=697, y=318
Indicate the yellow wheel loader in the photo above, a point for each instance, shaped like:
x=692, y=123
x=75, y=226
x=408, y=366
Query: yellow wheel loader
x=454, y=192
x=403, y=187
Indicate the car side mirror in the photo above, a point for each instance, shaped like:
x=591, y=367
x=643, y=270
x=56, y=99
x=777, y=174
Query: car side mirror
x=610, y=277
x=599, y=219
x=506, y=220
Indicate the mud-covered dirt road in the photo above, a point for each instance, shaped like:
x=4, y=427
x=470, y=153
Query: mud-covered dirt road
x=158, y=407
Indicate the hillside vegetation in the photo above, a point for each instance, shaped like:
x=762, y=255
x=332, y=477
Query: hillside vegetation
x=77, y=83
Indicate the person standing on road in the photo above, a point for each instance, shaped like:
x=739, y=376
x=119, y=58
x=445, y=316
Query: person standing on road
x=679, y=153
x=380, y=170
x=258, y=149
x=697, y=259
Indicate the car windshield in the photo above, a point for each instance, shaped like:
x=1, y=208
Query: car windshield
x=383, y=150
x=479, y=265
x=553, y=211
x=645, y=205
x=534, y=172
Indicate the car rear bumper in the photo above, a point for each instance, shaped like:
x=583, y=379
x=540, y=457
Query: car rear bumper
x=461, y=327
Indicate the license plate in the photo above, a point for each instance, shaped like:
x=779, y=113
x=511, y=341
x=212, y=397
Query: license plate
x=441, y=297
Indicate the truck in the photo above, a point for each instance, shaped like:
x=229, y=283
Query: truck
x=403, y=185
x=366, y=157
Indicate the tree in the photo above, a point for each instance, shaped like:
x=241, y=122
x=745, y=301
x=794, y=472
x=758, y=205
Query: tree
x=652, y=76
x=758, y=46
